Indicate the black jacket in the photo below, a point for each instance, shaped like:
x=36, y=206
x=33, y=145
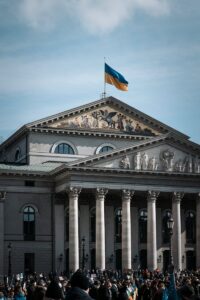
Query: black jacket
x=75, y=293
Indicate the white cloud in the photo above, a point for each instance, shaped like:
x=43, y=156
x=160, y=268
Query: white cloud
x=154, y=7
x=98, y=16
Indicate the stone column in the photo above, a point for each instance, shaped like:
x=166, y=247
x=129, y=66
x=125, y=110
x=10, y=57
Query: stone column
x=176, y=237
x=151, y=230
x=73, y=229
x=2, y=200
x=126, y=229
x=100, y=228
x=198, y=231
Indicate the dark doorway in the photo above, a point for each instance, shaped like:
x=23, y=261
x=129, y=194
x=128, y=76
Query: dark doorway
x=67, y=261
x=190, y=260
x=166, y=257
x=118, y=262
x=143, y=259
x=93, y=259
x=29, y=263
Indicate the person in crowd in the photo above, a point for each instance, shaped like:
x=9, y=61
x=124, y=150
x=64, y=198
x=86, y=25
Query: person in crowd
x=19, y=294
x=79, y=287
x=54, y=290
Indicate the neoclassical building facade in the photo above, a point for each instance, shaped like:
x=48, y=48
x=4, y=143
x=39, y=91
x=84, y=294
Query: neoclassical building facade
x=94, y=186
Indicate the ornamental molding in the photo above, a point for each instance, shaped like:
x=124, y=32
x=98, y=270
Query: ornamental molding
x=101, y=193
x=74, y=192
x=177, y=196
x=127, y=194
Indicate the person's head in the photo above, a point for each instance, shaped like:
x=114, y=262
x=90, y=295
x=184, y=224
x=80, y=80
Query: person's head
x=185, y=293
x=1, y=295
x=78, y=279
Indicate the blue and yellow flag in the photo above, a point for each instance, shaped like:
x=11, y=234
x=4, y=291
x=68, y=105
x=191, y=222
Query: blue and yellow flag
x=115, y=78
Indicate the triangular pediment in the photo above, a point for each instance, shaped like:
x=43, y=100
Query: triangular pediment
x=162, y=154
x=108, y=115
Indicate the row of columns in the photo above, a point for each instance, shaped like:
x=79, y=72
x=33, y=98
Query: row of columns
x=126, y=229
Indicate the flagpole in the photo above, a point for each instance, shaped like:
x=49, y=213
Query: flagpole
x=104, y=91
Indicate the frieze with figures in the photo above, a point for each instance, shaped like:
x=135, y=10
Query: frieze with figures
x=106, y=119
x=166, y=160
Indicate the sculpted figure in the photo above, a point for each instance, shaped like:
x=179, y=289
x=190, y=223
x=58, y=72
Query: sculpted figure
x=179, y=166
x=125, y=163
x=197, y=165
x=152, y=164
x=145, y=160
x=137, y=161
x=190, y=164
x=166, y=158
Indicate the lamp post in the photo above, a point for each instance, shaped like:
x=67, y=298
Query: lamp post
x=9, y=260
x=170, y=225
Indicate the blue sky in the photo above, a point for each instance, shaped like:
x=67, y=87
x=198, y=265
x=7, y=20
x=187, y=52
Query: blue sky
x=52, y=58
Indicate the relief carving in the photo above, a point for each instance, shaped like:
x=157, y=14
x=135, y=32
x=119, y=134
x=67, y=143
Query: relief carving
x=137, y=161
x=124, y=163
x=197, y=165
x=145, y=161
x=106, y=119
x=153, y=164
x=166, y=158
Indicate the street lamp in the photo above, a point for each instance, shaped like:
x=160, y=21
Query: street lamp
x=9, y=260
x=170, y=225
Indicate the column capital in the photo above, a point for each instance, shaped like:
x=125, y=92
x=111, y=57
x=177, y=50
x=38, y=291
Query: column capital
x=73, y=191
x=101, y=192
x=152, y=195
x=2, y=195
x=177, y=196
x=127, y=194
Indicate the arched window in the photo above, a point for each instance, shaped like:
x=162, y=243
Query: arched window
x=64, y=148
x=143, y=226
x=118, y=225
x=190, y=225
x=165, y=231
x=93, y=224
x=105, y=149
x=29, y=223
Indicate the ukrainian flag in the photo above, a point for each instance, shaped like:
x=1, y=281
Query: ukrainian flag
x=115, y=78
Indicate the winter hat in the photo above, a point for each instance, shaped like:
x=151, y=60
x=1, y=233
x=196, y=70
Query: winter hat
x=80, y=280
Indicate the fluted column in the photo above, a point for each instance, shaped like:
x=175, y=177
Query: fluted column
x=100, y=228
x=2, y=200
x=151, y=230
x=198, y=231
x=126, y=229
x=73, y=229
x=176, y=237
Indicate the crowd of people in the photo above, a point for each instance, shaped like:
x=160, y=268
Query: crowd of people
x=106, y=285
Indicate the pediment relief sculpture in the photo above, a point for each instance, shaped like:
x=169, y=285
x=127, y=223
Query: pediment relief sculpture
x=125, y=163
x=106, y=119
x=165, y=160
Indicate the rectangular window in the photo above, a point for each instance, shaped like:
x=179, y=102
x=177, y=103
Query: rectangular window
x=29, y=183
x=29, y=231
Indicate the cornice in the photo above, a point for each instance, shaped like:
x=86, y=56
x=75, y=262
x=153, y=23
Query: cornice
x=92, y=132
x=96, y=170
